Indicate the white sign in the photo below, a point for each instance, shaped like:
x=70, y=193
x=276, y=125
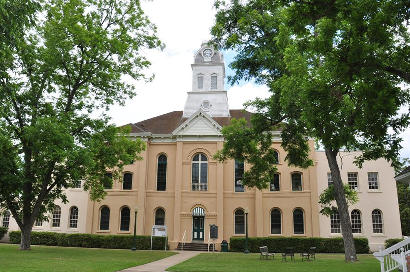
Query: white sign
x=159, y=231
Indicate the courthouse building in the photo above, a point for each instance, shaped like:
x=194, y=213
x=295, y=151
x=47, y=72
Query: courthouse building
x=180, y=185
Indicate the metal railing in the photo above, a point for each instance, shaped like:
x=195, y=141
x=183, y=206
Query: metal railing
x=183, y=240
x=199, y=186
x=394, y=257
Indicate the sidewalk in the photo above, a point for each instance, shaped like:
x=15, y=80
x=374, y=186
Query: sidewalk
x=161, y=265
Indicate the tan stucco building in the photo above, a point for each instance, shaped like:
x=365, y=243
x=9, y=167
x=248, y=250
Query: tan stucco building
x=180, y=185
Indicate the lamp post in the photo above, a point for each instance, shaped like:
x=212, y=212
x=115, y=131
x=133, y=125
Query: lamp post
x=246, y=232
x=134, y=242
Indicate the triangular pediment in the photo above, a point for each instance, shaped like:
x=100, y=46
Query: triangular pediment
x=199, y=124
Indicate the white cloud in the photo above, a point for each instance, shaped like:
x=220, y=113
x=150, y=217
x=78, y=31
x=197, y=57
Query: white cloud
x=183, y=25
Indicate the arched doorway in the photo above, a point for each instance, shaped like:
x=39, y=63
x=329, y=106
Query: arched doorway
x=198, y=223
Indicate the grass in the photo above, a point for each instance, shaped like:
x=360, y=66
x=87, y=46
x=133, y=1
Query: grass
x=56, y=259
x=237, y=262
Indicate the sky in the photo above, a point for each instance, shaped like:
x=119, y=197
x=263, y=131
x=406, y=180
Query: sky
x=182, y=26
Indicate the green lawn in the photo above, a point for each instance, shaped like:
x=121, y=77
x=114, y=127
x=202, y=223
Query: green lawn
x=237, y=262
x=44, y=258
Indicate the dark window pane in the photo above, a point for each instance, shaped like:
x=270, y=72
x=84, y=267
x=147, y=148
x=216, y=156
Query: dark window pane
x=127, y=181
x=196, y=157
x=239, y=222
x=298, y=221
x=195, y=173
x=276, y=157
x=239, y=169
x=107, y=182
x=105, y=218
x=160, y=217
x=162, y=173
x=296, y=182
x=125, y=219
x=275, y=218
x=204, y=172
x=73, y=217
x=203, y=158
x=274, y=184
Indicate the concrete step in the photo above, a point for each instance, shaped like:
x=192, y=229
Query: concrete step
x=195, y=247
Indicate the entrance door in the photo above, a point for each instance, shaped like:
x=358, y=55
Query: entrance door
x=198, y=228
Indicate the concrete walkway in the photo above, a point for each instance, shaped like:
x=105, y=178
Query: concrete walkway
x=163, y=264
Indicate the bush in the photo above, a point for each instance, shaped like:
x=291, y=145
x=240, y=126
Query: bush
x=390, y=242
x=3, y=231
x=300, y=244
x=89, y=240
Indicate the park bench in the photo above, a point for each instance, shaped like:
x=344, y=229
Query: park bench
x=310, y=254
x=265, y=253
x=288, y=252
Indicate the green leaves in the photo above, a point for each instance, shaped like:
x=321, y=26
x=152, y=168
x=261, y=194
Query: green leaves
x=327, y=199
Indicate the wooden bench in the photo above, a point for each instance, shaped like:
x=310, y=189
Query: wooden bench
x=265, y=253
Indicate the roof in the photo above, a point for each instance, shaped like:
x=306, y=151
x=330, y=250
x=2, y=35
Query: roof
x=168, y=122
x=405, y=171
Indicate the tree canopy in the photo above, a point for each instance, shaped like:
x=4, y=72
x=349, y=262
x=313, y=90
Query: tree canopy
x=338, y=72
x=62, y=64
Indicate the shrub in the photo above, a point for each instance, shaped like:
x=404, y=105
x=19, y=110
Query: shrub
x=3, y=231
x=390, y=242
x=300, y=244
x=89, y=240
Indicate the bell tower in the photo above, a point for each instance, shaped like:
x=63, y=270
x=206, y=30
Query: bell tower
x=208, y=87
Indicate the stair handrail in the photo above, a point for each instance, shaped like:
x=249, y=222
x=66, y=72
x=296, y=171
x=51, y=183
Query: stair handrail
x=183, y=240
x=209, y=238
x=394, y=257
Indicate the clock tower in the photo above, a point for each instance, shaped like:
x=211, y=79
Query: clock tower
x=208, y=89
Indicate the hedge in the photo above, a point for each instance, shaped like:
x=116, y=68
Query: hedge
x=300, y=244
x=3, y=231
x=390, y=242
x=89, y=240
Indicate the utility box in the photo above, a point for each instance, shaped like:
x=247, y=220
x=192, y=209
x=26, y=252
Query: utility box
x=224, y=246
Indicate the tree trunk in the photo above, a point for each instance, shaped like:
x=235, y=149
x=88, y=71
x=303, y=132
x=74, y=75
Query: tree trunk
x=346, y=226
x=25, y=243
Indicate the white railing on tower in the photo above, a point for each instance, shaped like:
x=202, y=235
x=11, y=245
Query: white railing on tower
x=394, y=257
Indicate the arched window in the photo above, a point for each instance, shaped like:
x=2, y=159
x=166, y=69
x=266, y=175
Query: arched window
x=125, y=219
x=105, y=218
x=356, y=218
x=296, y=182
x=275, y=221
x=214, y=82
x=200, y=81
x=162, y=173
x=239, y=169
x=298, y=224
x=56, y=217
x=200, y=172
x=73, y=217
x=335, y=222
x=377, y=221
x=276, y=157
x=160, y=217
x=6, y=219
x=239, y=221
x=275, y=183
x=127, y=181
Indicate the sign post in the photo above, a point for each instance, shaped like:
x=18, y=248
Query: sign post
x=159, y=231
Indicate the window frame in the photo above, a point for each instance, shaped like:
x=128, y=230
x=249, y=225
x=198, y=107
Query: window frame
x=162, y=155
x=130, y=181
x=356, y=221
x=235, y=221
x=156, y=218
x=277, y=157
x=335, y=225
x=200, y=76
x=299, y=224
x=329, y=179
x=379, y=225
x=109, y=175
x=56, y=217
x=200, y=185
x=101, y=217
x=301, y=181
x=124, y=218
x=280, y=221
x=214, y=87
x=350, y=182
x=73, y=218
x=238, y=185
x=6, y=223
x=372, y=183
x=273, y=181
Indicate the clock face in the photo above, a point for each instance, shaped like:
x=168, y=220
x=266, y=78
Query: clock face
x=207, y=53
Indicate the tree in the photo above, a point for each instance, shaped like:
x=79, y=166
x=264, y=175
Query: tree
x=403, y=195
x=333, y=69
x=62, y=63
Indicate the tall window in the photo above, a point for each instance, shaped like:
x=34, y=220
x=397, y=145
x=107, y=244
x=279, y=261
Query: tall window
x=335, y=222
x=6, y=219
x=239, y=221
x=329, y=179
x=162, y=173
x=125, y=219
x=352, y=180
x=127, y=181
x=160, y=217
x=73, y=217
x=296, y=182
x=373, y=180
x=38, y=223
x=56, y=217
x=107, y=182
x=214, y=82
x=239, y=169
x=275, y=222
x=356, y=221
x=200, y=81
x=276, y=157
x=274, y=184
x=105, y=218
x=298, y=225
x=377, y=221
x=199, y=172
